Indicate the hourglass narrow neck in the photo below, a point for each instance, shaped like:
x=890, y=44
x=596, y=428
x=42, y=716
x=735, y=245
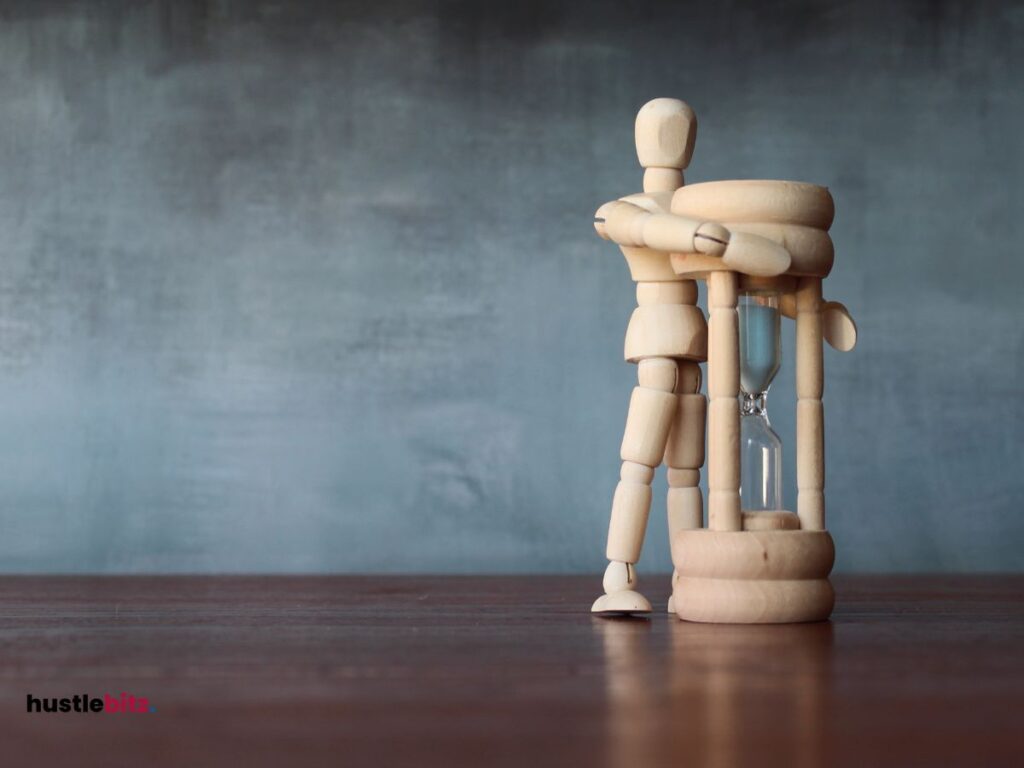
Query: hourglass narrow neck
x=754, y=405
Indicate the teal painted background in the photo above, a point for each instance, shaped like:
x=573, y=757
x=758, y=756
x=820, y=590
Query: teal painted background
x=313, y=287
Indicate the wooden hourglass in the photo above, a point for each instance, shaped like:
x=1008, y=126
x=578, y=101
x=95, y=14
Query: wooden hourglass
x=762, y=248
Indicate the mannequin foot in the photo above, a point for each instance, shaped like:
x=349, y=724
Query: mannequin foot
x=628, y=603
x=620, y=596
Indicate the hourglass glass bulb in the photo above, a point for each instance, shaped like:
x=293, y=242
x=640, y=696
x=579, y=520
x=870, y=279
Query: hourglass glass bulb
x=760, y=343
x=760, y=357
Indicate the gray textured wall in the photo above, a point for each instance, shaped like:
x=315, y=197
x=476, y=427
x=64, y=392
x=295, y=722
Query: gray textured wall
x=297, y=287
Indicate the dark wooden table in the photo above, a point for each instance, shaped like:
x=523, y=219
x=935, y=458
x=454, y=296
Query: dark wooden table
x=354, y=671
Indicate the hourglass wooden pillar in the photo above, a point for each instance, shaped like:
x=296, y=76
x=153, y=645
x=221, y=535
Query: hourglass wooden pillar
x=763, y=249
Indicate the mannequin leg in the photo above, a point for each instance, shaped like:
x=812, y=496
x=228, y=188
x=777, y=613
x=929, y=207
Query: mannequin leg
x=684, y=455
x=651, y=408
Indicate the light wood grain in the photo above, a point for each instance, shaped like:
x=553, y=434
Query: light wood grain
x=757, y=201
x=723, y=409
x=810, y=426
x=662, y=179
x=666, y=330
x=665, y=132
x=757, y=555
x=738, y=601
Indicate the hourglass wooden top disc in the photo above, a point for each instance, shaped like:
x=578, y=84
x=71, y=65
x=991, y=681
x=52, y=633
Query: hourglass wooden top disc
x=793, y=214
x=757, y=200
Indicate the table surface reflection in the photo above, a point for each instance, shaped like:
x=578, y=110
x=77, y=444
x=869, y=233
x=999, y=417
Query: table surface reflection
x=395, y=671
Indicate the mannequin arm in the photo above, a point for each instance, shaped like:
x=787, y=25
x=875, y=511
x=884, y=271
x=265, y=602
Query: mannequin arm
x=627, y=224
x=837, y=324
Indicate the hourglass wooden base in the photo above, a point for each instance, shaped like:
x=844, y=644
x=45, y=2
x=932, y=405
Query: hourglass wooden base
x=752, y=577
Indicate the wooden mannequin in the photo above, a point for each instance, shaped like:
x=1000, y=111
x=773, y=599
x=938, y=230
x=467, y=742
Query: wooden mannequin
x=733, y=235
x=666, y=337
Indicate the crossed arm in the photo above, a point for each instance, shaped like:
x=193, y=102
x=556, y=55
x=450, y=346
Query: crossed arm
x=628, y=223
x=643, y=221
